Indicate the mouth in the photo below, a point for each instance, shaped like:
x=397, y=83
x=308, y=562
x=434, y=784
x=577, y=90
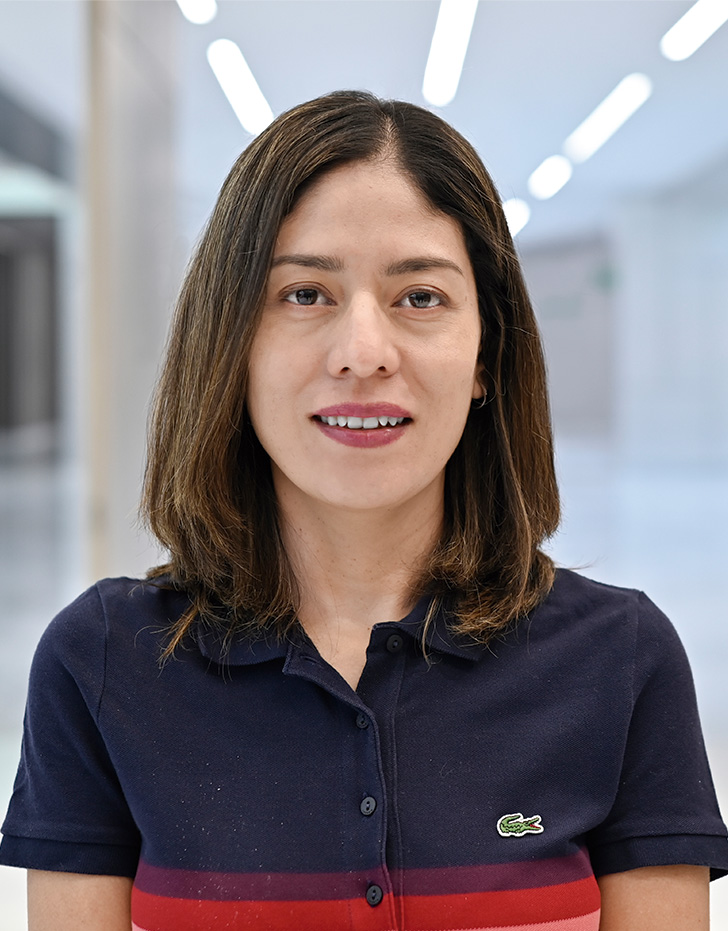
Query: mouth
x=361, y=423
x=365, y=426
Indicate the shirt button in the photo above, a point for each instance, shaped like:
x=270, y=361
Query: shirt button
x=368, y=805
x=395, y=643
x=374, y=895
x=362, y=720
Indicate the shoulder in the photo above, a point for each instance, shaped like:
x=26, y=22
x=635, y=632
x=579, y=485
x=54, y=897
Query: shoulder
x=580, y=602
x=121, y=612
x=575, y=593
x=604, y=628
x=120, y=602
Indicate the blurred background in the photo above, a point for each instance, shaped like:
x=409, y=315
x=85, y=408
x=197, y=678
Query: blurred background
x=607, y=138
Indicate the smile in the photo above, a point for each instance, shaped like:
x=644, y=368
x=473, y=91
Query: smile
x=361, y=423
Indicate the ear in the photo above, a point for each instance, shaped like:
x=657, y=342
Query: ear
x=479, y=390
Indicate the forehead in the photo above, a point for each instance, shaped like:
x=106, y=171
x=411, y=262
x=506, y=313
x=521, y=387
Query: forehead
x=367, y=200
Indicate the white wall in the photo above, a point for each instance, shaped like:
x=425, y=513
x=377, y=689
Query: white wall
x=671, y=324
x=571, y=285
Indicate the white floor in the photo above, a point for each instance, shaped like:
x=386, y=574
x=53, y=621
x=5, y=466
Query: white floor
x=662, y=531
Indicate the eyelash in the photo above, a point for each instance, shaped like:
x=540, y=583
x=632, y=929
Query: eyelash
x=290, y=295
x=440, y=300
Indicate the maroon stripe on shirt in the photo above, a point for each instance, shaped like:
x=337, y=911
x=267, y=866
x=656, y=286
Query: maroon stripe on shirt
x=451, y=880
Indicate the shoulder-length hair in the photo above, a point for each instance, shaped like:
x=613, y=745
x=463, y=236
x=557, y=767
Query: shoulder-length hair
x=208, y=493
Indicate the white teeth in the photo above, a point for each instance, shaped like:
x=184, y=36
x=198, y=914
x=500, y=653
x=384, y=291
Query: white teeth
x=362, y=423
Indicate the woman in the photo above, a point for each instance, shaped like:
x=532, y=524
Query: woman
x=378, y=705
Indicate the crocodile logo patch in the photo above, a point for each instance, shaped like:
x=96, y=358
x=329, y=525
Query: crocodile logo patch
x=516, y=825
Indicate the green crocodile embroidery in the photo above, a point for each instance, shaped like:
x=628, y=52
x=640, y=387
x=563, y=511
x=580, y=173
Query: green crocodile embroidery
x=516, y=825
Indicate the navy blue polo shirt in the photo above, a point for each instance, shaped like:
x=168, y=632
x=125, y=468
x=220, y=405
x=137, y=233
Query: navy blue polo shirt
x=470, y=787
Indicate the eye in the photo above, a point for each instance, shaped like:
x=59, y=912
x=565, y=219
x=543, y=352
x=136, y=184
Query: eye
x=305, y=297
x=422, y=300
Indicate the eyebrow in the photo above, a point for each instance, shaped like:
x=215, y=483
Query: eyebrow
x=328, y=263
x=420, y=263
x=324, y=263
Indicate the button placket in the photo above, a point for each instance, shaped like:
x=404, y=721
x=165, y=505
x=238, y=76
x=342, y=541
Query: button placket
x=386, y=658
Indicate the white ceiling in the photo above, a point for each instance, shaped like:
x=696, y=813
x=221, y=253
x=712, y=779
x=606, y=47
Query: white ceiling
x=534, y=70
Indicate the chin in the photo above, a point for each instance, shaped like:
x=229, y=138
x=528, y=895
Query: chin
x=367, y=496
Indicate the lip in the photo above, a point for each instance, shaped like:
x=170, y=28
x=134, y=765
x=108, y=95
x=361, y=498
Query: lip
x=363, y=439
x=370, y=409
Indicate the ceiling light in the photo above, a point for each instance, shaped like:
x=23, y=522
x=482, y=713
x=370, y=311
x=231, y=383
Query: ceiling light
x=198, y=12
x=239, y=86
x=447, y=51
x=694, y=28
x=605, y=120
x=550, y=176
x=518, y=213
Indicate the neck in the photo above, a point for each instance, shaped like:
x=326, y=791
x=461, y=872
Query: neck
x=355, y=568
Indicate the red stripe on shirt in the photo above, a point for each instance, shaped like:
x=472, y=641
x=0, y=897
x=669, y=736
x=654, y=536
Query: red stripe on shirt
x=505, y=909
x=160, y=913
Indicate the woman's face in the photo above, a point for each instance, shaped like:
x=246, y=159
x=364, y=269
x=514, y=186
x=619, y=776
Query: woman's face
x=365, y=362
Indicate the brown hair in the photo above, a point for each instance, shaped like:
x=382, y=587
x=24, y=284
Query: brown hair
x=208, y=494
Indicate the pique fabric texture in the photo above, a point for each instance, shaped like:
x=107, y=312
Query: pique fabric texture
x=471, y=788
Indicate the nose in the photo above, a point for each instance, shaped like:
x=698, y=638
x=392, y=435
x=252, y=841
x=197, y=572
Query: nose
x=363, y=340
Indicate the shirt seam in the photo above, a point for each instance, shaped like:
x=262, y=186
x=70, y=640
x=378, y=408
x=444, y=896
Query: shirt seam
x=102, y=687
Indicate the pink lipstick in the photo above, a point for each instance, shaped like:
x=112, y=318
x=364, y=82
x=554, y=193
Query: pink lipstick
x=365, y=426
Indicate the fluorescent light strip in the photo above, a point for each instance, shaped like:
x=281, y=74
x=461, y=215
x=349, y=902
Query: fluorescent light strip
x=694, y=28
x=616, y=108
x=239, y=86
x=447, y=51
x=198, y=12
x=518, y=213
x=550, y=176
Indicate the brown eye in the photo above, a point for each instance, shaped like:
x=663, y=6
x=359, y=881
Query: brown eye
x=304, y=296
x=423, y=299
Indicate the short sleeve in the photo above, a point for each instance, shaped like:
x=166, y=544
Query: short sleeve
x=68, y=811
x=665, y=810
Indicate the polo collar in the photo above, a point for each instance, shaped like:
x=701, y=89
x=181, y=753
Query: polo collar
x=247, y=650
x=241, y=650
x=439, y=635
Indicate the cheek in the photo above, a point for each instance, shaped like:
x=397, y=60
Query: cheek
x=266, y=369
x=456, y=368
x=278, y=375
x=262, y=399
